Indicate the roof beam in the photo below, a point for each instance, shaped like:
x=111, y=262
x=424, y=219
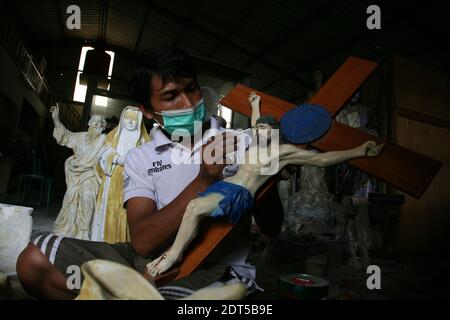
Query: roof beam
x=141, y=30
x=104, y=20
x=61, y=20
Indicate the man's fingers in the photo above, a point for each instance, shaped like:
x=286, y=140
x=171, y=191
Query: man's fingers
x=219, y=146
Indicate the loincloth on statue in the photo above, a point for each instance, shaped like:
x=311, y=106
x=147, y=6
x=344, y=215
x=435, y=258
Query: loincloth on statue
x=237, y=200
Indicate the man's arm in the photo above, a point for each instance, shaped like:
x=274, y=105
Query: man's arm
x=151, y=228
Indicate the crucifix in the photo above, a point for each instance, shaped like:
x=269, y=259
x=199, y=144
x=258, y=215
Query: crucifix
x=404, y=169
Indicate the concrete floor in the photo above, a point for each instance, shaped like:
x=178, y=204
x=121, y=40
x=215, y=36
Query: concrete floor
x=402, y=277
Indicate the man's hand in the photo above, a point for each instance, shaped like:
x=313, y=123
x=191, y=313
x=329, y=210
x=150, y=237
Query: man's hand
x=371, y=149
x=214, y=156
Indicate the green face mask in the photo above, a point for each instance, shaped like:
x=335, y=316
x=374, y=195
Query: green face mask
x=183, y=119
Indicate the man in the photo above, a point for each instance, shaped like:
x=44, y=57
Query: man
x=156, y=193
x=83, y=182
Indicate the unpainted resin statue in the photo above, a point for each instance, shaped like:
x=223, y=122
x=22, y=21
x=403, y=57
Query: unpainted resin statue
x=107, y=280
x=82, y=180
x=110, y=219
x=234, y=195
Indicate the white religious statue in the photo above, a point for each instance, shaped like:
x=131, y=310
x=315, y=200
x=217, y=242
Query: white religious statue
x=110, y=219
x=107, y=280
x=82, y=180
x=234, y=195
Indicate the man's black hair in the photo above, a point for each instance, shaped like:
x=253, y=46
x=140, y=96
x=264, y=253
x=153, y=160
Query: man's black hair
x=169, y=62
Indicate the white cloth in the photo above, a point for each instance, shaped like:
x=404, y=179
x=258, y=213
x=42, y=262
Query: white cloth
x=15, y=232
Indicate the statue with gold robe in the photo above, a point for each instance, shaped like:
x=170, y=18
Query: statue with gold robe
x=110, y=219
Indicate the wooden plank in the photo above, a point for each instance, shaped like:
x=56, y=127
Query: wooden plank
x=420, y=88
x=405, y=169
x=203, y=245
x=423, y=117
x=334, y=94
x=425, y=223
x=237, y=100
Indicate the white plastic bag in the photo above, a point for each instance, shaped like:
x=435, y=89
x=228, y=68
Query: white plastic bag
x=16, y=225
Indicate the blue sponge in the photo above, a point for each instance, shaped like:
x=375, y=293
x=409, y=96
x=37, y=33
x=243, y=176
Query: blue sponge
x=305, y=123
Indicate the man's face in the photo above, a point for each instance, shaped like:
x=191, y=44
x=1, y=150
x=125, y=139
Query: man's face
x=172, y=95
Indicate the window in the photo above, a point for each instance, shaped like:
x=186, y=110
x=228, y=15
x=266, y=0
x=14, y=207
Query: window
x=80, y=90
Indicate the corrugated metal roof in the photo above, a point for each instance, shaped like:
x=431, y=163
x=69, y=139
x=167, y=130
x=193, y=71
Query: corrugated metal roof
x=267, y=38
x=222, y=16
x=124, y=22
x=198, y=43
x=231, y=57
x=159, y=30
x=40, y=17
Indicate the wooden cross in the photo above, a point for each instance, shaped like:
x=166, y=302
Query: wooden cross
x=402, y=168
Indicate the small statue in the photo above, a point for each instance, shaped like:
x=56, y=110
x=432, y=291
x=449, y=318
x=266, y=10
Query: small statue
x=75, y=216
x=110, y=219
x=233, y=196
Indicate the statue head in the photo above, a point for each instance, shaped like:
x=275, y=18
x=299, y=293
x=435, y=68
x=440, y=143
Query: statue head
x=131, y=119
x=97, y=124
x=264, y=127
